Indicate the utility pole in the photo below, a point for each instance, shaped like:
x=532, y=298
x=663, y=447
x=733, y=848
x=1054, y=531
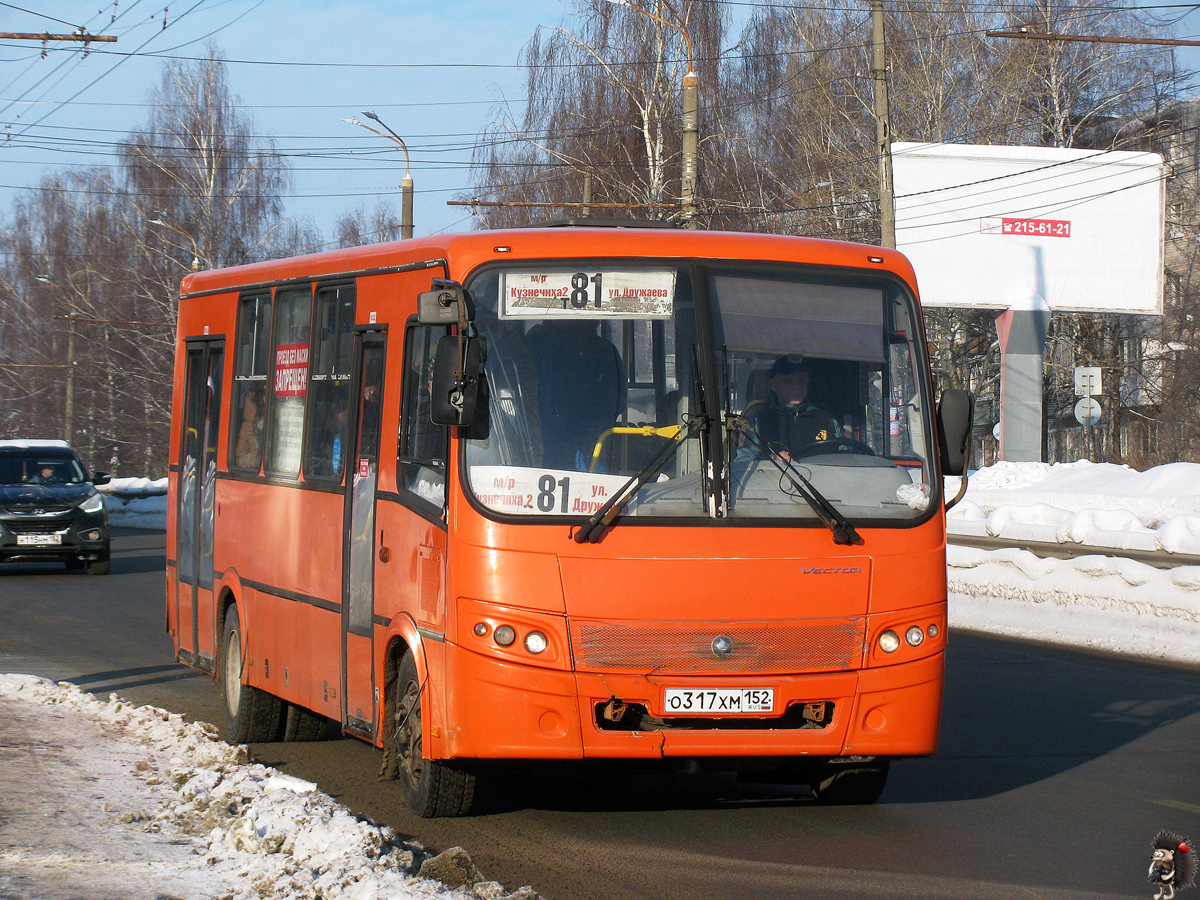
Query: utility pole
x=691, y=144
x=69, y=405
x=883, y=128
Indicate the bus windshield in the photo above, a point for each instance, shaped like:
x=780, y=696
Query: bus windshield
x=765, y=375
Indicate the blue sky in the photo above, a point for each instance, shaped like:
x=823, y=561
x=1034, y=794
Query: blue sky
x=433, y=71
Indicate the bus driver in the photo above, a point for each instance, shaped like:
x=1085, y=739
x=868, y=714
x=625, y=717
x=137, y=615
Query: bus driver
x=787, y=420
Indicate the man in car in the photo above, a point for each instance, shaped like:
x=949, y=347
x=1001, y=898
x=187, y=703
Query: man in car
x=46, y=474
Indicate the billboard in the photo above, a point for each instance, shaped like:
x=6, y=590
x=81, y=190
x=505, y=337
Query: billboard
x=997, y=227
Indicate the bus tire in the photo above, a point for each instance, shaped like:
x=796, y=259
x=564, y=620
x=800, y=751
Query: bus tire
x=302, y=724
x=850, y=784
x=430, y=788
x=251, y=715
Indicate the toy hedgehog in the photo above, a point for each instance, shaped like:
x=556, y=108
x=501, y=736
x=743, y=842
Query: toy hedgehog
x=1173, y=864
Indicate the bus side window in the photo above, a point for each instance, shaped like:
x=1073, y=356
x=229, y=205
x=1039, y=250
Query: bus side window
x=329, y=384
x=289, y=384
x=421, y=463
x=250, y=381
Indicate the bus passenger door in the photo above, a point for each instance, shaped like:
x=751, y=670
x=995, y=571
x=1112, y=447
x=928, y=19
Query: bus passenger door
x=358, y=594
x=197, y=501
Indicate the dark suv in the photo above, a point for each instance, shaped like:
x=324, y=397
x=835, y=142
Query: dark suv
x=49, y=508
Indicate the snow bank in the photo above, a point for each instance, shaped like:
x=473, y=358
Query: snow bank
x=178, y=812
x=1098, y=504
x=1105, y=603
x=1098, y=602
x=136, y=502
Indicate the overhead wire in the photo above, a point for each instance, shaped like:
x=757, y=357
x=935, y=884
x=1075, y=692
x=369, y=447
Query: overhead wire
x=338, y=152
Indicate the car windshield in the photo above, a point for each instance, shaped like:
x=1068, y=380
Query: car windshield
x=34, y=467
x=592, y=367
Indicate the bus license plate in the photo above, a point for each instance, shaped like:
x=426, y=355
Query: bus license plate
x=723, y=700
x=40, y=540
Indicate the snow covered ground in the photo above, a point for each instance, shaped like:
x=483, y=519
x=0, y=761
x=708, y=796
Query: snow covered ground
x=102, y=800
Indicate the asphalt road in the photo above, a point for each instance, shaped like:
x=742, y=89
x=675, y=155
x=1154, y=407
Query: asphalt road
x=1054, y=772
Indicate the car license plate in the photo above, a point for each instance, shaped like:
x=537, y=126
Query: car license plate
x=39, y=540
x=721, y=700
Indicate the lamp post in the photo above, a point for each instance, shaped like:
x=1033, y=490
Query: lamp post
x=195, y=247
x=406, y=184
x=690, y=142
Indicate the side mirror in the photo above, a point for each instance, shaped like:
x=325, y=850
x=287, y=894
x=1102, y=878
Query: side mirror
x=447, y=304
x=99, y=478
x=955, y=411
x=456, y=396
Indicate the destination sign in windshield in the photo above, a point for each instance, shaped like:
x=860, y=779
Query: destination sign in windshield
x=587, y=294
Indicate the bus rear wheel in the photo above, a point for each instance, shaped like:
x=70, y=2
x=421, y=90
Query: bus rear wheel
x=251, y=715
x=430, y=788
x=846, y=784
x=300, y=724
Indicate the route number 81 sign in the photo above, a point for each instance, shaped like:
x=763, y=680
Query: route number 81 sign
x=587, y=294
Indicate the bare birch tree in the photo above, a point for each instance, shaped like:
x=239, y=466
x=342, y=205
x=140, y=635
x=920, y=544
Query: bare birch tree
x=603, y=115
x=94, y=261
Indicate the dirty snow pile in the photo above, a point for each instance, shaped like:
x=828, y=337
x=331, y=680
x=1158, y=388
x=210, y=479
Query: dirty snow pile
x=102, y=799
x=1102, y=602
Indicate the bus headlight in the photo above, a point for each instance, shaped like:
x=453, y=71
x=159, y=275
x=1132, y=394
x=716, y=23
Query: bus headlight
x=889, y=641
x=525, y=636
x=914, y=636
x=535, y=642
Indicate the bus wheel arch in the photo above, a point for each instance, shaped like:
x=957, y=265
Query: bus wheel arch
x=430, y=788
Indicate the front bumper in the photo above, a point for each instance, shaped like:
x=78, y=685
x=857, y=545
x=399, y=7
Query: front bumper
x=507, y=711
x=70, y=535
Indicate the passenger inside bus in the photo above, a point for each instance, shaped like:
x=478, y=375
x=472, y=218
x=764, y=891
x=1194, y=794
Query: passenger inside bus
x=249, y=431
x=786, y=419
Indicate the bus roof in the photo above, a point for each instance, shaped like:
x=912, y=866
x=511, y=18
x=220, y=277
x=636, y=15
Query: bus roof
x=459, y=254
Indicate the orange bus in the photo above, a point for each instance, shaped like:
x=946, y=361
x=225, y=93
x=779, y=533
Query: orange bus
x=553, y=494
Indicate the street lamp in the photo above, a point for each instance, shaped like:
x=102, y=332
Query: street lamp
x=69, y=396
x=195, y=246
x=691, y=119
x=406, y=184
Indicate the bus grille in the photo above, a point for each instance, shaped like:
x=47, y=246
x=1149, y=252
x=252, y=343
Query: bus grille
x=687, y=647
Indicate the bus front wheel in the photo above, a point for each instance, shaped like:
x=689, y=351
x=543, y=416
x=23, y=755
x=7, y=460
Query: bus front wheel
x=842, y=784
x=251, y=715
x=430, y=788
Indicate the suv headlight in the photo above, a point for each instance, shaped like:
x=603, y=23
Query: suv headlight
x=92, y=504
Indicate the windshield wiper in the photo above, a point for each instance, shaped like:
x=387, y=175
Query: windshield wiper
x=593, y=529
x=843, y=531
